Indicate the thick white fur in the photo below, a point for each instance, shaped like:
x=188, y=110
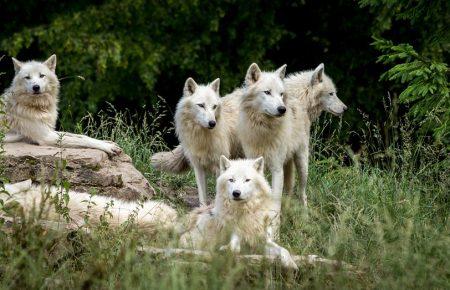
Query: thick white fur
x=234, y=220
x=31, y=116
x=284, y=139
x=202, y=144
x=148, y=216
x=310, y=93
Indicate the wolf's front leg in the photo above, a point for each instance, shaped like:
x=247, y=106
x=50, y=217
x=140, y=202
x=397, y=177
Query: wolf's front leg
x=273, y=249
x=46, y=136
x=301, y=162
x=234, y=245
x=76, y=140
x=277, y=180
x=200, y=178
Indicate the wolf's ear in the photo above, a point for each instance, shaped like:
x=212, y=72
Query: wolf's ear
x=17, y=64
x=190, y=86
x=51, y=62
x=253, y=74
x=259, y=165
x=317, y=75
x=281, y=71
x=224, y=164
x=215, y=85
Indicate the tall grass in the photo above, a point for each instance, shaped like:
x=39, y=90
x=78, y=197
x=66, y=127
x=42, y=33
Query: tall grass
x=390, y=222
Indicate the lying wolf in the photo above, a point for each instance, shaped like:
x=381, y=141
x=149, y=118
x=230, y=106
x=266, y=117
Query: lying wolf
x=243, y=212
x=148, y=216
x=31, y=106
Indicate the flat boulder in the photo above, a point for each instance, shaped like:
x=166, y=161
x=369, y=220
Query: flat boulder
x=88, y=170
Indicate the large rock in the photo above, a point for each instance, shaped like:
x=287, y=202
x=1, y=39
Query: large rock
x=85, y=169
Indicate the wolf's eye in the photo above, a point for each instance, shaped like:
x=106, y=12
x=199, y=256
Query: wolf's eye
x=214, y=107
x=267, y=93
x=201, y=105
x=28, y=78
x=282, y=94
x=41, y=76
x=331, y=94
x=231, y=180
x=247, y=180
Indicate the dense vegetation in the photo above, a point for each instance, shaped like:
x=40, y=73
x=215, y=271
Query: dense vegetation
x=383, y=209
x=129, y=52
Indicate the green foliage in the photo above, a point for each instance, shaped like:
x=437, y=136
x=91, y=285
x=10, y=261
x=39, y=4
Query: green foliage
x=419, y=70
x=123, y=48
x=426, y=91
x=392, y=226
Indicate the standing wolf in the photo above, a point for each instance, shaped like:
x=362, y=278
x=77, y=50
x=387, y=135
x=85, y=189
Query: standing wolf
x=31, y=106
x=205, y=125
x=285, y=136
x=243, y=212
x=312, y=92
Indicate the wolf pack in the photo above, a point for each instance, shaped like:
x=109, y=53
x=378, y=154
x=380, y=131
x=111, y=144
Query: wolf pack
x=263, y=126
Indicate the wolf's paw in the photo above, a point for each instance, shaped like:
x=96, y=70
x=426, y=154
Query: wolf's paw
x=287, y=261
x=112, y=148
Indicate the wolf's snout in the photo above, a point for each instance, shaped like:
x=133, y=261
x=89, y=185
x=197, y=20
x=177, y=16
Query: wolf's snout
x=281, y=110
x=345, y=108
x=36, y=88
x=211, y=124
x=236, y=193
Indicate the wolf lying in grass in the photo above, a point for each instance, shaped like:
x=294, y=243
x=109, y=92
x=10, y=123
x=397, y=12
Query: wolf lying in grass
x=243, y=209
x=148, y=216
x=31, y=106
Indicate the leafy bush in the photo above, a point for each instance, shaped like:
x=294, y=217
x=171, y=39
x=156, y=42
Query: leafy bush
x=420, y=75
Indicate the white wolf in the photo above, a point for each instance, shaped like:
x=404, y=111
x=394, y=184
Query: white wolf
x=148, y=216
x=313, y=92
x=307, y=94
x=243, y=212
x=31, y=106
x=205, y=125
x=285, y=139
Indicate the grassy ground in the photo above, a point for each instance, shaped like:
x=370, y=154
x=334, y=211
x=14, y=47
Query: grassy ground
x=390, y=223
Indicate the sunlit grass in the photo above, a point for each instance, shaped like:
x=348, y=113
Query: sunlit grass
x=392, y=224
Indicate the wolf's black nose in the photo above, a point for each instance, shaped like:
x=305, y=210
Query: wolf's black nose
x=212, y=124
x=236, y=193
x=36, y=88
x=281, y=109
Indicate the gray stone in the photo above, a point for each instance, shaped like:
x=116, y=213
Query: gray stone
x=84, y=169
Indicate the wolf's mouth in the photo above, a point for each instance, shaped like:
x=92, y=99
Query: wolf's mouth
x=237, y=199
x=337, y=114
x=273, y=115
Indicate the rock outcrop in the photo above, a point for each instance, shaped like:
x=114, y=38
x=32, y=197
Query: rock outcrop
x=84, y=169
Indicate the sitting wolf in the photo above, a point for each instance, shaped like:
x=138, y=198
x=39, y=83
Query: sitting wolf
x=31, y=107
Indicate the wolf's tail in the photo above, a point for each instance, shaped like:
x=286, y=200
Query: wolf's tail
x=172, y=162
x=148, y=216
